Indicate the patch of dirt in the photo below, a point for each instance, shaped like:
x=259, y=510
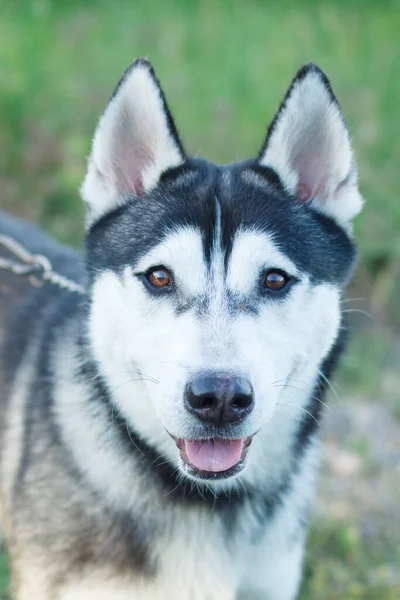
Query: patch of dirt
x=360, y=471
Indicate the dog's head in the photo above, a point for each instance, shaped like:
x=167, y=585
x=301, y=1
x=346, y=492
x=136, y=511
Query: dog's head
x=215, y=290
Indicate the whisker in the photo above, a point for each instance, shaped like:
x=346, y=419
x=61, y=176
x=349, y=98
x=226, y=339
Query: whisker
x=321, y=374
x=286, y=414
x=240, y=484
x=290, y=379
x=199, y=491
x=159, y=464
x=101, y=376
x=211, y=491
x=130, y=437
x=142, y=376
x=354, y=300
x=169, y=362
x=132, y=381
x=358, y=310
x=306, y=393
x=331, y=387
x=180, y=478
x=305, y=411
x=261, y=363
x=113, y=419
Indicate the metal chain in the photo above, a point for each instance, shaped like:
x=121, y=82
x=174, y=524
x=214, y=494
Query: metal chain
x=36, y=267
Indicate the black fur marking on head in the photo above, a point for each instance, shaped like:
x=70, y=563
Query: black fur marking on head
x=269, y=175
x=315, y=243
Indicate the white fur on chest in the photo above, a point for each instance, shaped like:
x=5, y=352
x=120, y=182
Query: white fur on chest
x=200, y=558
x=190, y=565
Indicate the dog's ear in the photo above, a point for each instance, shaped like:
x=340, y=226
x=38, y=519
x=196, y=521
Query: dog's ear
x=308, y=146
x=135, y=142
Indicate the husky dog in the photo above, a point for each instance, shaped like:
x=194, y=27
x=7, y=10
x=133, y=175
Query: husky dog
x=159, y=431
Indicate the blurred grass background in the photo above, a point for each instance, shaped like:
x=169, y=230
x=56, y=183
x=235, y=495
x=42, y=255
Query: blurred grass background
x=225, y=66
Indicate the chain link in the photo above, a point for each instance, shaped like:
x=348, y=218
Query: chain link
x=36, y=267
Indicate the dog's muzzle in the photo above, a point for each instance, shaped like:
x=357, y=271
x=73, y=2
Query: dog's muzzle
x=220, y=401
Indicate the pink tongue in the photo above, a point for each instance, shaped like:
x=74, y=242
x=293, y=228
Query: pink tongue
x=213, y=455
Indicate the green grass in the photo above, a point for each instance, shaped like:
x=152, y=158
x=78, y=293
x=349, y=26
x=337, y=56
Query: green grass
x=340, y=566
x=3, y=576
x=225, y=66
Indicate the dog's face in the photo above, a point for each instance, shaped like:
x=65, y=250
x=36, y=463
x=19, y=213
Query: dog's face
x=216, y=289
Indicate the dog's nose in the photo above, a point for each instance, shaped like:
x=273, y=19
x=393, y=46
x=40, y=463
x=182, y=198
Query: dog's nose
x=219, y=398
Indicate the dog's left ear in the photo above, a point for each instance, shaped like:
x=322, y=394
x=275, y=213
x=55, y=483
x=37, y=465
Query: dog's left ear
x=135, y=142
x=308, y=146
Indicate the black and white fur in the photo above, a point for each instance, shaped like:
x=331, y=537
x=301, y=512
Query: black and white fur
x=96, y=501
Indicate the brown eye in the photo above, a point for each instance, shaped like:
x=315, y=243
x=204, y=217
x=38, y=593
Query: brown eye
x=159, y=278
x=275, y=280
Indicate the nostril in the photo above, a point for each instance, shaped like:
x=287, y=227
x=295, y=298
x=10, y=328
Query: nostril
x=242, y=401
x=206, y=401
x=200, y=401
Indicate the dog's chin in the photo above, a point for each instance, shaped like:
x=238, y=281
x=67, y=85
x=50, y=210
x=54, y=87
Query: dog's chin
x=213, y=459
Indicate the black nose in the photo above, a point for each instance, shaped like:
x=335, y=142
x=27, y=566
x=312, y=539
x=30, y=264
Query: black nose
x=219, y=398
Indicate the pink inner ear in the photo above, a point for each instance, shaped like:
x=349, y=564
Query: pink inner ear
x=303, y=192
x=312, y=178
x=130, y=166
x=139, y=188
x=133, y=151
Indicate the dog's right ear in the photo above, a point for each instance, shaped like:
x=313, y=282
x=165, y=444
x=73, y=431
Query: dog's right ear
x=135, y=142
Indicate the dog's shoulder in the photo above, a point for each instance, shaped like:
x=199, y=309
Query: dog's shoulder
x=63, y=258
x=23, y=305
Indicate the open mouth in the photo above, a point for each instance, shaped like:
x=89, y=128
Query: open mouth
x=214, y=458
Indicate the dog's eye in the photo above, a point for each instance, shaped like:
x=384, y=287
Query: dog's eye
x=276, y=280
x=159, y=277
